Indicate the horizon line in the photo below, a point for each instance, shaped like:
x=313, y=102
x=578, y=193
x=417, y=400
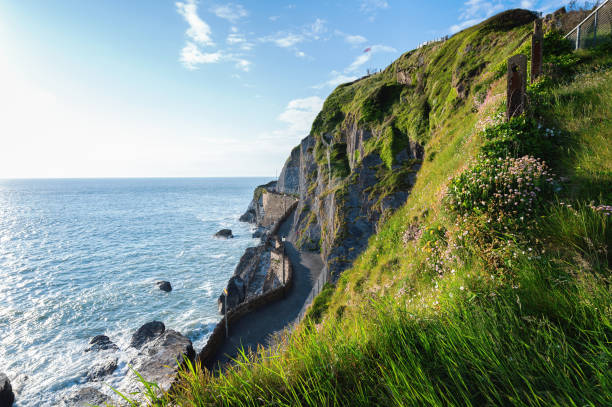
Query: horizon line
x=129, y=177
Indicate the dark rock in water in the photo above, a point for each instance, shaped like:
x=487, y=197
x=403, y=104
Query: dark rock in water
x=236, y=292
x=224, y=234
x=6, y=392
x=86, y=397
x=249, y=216
x=157, y=360
x=259, y=232
x=101, y=342
x=98, y=371
x=164, y=286
x=146, y=333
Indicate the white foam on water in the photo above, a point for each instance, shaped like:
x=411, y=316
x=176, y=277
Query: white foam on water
x=79, y=258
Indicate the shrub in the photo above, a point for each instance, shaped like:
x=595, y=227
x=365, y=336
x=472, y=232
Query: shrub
x=506, y=191
x=518, y=137
x=554, y=44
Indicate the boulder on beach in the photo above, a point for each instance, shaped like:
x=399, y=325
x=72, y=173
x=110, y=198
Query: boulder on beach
x=6, y=391
x=85, y=397
x=104, y=368
x=146, y=333
x=224, y=234
x=157, y=360
x=164, y=286
x=101, y=342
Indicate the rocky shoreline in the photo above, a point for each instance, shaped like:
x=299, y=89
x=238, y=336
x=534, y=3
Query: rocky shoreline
x=260, y=276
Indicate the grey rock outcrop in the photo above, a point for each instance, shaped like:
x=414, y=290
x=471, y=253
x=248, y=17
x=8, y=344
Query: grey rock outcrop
x=224, y=234
x=335, y=214
x=146, y=333
x=236, y=293
x=85, y=397
x=289, y=179
x=99, y=370
x=255, y=211
x=101, y=342
x=248, y=278
x=164, y=286
x=259, y=232
x=7, y=398
x=159, y=360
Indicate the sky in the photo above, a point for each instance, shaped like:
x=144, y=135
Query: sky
x=116, y=88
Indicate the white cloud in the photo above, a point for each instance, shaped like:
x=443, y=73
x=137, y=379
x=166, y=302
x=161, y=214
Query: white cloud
x=287, y=39
x=358, y=62
x=191, y=56
x=273, y=18
x=243, y=65
x=351, y=39
x=366, y=56
x=230, y=12
x=528, y=4
x=199, y=34
x=316, y=28
x=355, y=39
x=198, y=30
x=235, y=39
x=300, y=113
x=369, y=6
x=372, y=7
x=336, y=79
x=475, y=11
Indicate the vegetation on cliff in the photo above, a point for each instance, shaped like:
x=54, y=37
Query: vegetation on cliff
x=491, y=284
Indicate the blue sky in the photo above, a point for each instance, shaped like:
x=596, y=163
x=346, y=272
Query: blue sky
x=120, y=88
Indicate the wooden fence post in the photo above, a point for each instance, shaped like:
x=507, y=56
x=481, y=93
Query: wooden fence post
x=536, y=50
x=516, y=86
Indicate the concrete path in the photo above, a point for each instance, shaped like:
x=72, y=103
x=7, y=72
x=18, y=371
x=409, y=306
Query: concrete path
x=256, y=327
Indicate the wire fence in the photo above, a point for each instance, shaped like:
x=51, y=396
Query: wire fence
x=317, y=287
x=594, y=28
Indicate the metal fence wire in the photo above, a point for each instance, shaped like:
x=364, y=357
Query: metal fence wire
x=594, y=28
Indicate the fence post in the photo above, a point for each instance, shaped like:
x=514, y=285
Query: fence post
x=536, y=50
x=578, y=37
x=516, y=85
x=595, y=27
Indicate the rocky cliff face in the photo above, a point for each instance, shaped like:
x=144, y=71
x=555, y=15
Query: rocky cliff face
x=337, y=215
x=360, y=160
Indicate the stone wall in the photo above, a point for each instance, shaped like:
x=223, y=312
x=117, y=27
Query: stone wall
x=275, y=206
x=217, y=338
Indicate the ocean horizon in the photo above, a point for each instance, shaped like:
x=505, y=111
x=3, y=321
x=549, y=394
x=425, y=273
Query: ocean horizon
x=79, y=257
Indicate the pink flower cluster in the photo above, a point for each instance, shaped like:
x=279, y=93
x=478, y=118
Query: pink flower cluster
x=502, y=187
x=605, y=209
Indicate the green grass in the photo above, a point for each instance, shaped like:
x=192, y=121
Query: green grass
x=446, y=310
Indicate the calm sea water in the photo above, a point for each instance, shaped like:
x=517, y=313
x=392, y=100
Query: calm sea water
x=79, y=258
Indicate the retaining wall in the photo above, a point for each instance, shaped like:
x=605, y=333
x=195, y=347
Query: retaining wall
x=218, y=337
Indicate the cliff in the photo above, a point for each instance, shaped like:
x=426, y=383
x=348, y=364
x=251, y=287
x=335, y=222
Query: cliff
x=490, y=282
x=362, y=156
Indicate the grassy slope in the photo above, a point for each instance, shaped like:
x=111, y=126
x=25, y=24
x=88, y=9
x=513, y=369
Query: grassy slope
x=430, y=315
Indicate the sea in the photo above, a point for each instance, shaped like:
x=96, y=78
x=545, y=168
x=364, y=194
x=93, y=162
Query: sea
x=80, y=258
